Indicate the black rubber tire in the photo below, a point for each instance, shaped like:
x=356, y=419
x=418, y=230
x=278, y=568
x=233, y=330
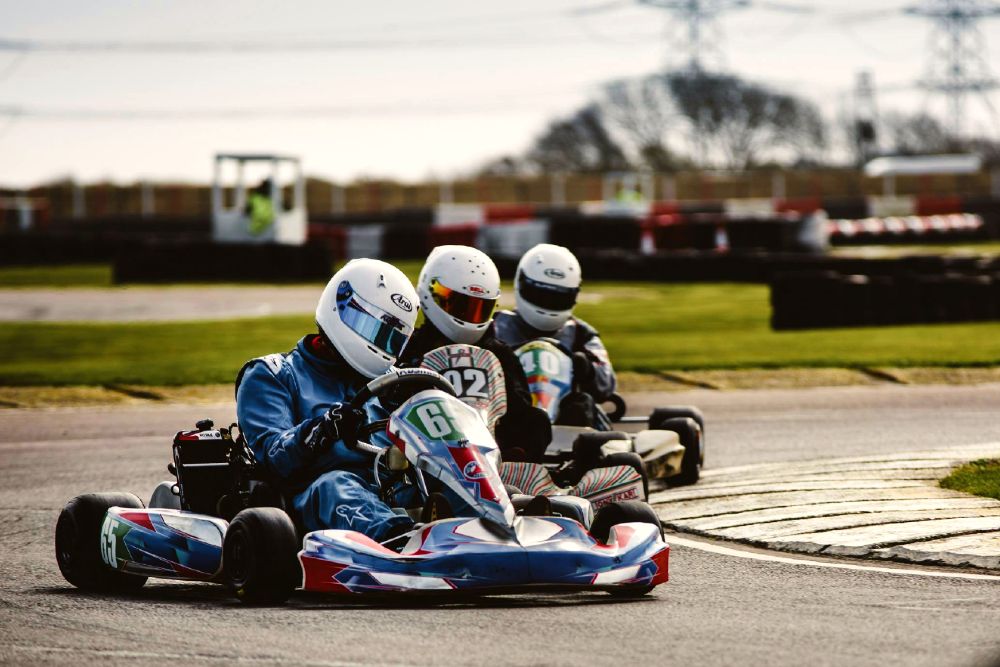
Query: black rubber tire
x=512, y=490
x=628, y=511
x=691, y=437
x=260, y=556
x=587, y=445
x=630, y=459
x=660, y=415
x=78, y=543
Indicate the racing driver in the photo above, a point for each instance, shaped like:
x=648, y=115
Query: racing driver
x=293, y=407
x=546, y=286
x=458, y=290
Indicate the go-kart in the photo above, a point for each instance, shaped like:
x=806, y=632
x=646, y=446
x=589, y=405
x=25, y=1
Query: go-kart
x=493, y=544
x=672, y=447
x=478, y=378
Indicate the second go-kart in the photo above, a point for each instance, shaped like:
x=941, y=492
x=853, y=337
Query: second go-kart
x=672, y=447
x=478, y=378
x=212, y=524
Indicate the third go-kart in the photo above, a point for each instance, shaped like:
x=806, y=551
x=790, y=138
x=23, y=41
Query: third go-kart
x=221, y=522
x=672, y=447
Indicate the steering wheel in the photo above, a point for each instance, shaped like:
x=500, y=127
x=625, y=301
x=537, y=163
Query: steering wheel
x=399, y=377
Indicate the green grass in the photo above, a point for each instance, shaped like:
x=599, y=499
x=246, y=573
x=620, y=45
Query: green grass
x=981, y=478
x=72, y=275
x=646, y=327
x=99, y=275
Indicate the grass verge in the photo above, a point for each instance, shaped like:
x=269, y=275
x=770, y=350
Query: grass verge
x=99, y=275
x=980, y=478
x=648, y=328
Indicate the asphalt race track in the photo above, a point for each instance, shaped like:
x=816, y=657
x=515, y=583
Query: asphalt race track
x=718, y=609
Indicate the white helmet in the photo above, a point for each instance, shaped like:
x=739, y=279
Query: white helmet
x=367, y=311
x=459, y=287
x=546, y=285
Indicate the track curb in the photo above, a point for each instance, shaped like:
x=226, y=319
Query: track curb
x=886, y=508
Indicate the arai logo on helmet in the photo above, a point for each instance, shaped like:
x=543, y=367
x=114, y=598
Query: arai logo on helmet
x=473, y=470
x=555, y=273
x=402, y=302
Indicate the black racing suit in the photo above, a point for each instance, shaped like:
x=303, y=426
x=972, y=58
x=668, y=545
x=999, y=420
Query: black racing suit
x=524, y=431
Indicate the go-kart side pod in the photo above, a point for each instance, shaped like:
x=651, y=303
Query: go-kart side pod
x=163, y=543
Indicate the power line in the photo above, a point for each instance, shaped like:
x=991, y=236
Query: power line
x=957, y=65
x=171, y=47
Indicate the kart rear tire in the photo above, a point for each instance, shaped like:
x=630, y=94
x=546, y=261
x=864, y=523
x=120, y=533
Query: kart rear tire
x=78, y=543
x=690, y=435
x=630, y=459
x=260, y=556
x=660, y=415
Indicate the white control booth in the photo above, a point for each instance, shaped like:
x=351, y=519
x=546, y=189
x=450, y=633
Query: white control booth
x=278, y=177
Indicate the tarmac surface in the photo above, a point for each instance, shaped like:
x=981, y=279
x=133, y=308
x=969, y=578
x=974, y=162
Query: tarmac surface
x=721, y=606
x=164, y=304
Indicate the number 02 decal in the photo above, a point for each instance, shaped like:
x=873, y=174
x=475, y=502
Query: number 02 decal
x=468, y=382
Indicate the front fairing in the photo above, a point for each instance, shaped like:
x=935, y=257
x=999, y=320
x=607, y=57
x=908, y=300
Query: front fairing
x=550, y=375
x=448, y=440
x=465, y=555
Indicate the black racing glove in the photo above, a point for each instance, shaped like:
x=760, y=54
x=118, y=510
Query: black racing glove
x=583, y=369
x=339, y=421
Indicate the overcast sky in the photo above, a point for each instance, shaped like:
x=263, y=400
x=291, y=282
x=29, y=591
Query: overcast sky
x=414, y=89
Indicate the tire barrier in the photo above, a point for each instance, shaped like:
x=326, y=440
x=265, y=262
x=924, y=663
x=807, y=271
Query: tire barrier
x=504, y=230
x=205, y=262
x=578, y=232
x=68, y=241
x=827, y=299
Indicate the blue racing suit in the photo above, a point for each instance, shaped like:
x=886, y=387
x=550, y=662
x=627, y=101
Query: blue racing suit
x=279, y=399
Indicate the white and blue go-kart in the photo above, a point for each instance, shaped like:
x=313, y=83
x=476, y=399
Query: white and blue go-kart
x=112, y=542
x=672, y=446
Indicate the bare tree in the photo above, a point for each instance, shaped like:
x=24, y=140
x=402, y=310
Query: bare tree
x=917, y=134
x=741, y=118
x=581, y=143
x=643, y=110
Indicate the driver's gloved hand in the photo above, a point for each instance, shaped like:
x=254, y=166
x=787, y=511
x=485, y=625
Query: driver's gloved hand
x=339, y=420
x=583, y=369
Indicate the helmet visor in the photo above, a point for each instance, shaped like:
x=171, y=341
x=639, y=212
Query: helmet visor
x=546, y=295
x=383, y=330
x=472, y=309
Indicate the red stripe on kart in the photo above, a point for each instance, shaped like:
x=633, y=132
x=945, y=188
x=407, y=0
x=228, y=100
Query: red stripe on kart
x=366, y=541
x=139, y=519
x=661, y=559
x=320, y=575
x=623, y=535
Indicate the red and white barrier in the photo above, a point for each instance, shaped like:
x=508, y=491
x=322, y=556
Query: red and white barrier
x=899, y=225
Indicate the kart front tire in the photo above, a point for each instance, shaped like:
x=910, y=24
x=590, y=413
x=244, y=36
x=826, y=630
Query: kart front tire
x=260, y=556
x=78, y=543
x=691, y=436
x=627, y=511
